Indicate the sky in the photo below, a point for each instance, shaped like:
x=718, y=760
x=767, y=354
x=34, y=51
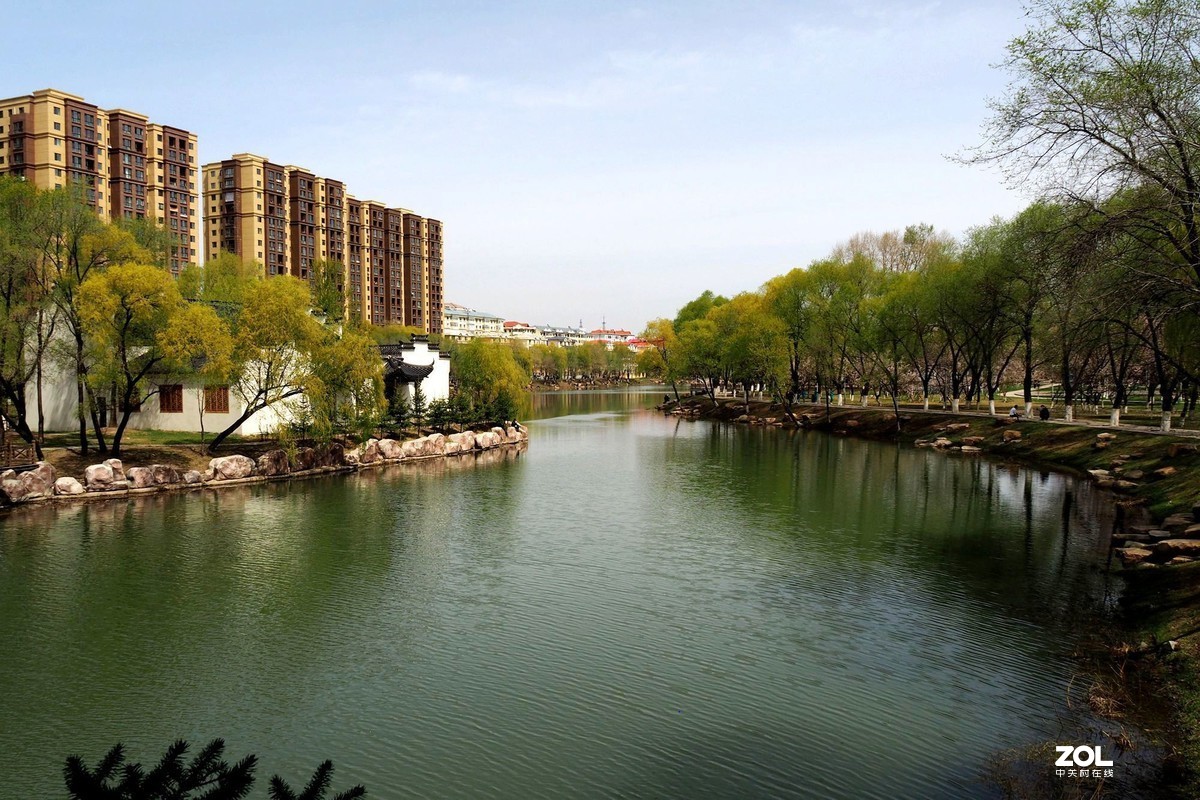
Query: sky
x=591, y=161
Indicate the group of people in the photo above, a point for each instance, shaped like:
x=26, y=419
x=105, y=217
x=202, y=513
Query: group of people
x=1043, y=413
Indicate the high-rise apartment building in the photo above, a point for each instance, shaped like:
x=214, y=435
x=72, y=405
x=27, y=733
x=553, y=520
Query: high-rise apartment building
x=127, y=166
x=287, y=218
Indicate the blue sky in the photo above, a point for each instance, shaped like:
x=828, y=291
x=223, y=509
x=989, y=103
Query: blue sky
x=589, y=160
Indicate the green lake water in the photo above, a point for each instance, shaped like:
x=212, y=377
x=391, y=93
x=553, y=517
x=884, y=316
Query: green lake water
x=635, y=606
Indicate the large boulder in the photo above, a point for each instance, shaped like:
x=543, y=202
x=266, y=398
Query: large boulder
x=1177, y=547
x=45, y=471
x=139, y=477
x=390, y=449
x=306, y=458
x=435, y=444
x=12, y=490
x=68, y=486
x=1177, y=523
x=414, y=448
x=332, y=454
x=369, y=453
x=272, y=462
x=487, y=440
x=228, y=468
x=99, y=477
x=192, y=477
x=118, y=469
x=466, y=439
x=165, y=474
x=512, y=434
x=1133, y=555
x=500, y=433
x=28, y=485
x=454, y=448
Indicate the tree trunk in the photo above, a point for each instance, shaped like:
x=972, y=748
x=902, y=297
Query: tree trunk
x=992, y=406
x=93, y=409
x=223, y=435
x=954, y=405
x=1166, y=421
x=1069, y=412
x=840, y=399
x=1114, y=418
x=81, y=407
x=926, y=404
x=41, y=424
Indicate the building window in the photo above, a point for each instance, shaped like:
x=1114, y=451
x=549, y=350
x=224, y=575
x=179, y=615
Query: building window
x=170, y=399
x=216, y=399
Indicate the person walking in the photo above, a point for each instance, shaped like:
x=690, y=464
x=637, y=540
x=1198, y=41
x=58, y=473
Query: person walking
x=1044, y=413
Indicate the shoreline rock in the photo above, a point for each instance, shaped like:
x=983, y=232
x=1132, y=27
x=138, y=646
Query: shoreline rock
x=113, y=480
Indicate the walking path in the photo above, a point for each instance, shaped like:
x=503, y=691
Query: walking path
x=1152, y=429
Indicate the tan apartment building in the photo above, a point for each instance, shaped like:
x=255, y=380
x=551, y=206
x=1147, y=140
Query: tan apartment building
x=128, y=166
x=286, y=218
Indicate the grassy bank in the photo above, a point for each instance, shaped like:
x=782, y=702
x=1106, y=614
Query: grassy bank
x=1160, y=662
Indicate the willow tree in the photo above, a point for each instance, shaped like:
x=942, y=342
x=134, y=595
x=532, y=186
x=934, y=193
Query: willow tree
x=73, y=245
x=789, y=298
x=1105, y=98
x=133, y=316
x=275, y=340
x=27, y=316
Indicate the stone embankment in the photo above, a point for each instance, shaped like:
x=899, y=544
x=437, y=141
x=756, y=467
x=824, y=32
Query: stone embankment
x=112, y=479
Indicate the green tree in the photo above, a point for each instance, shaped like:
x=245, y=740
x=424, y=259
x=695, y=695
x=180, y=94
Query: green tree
x=752, y=343
x=315, y=789
x=328, y=290
x=124, y=311
x=274, y=340
x=698, y=308
x=399, y=410
x=346, y=383
x=228, y=279
x=1102, y=99
x=420, y=406
x=440, y=415
x=208, y=776
x=199, y=344
x=700, y=354
x=661, y=333
x=160, y=243
x=74, y=244
x=484, y=370
x=789, y=298
x=27, y=315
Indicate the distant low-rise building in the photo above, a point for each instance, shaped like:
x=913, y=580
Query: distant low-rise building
x=562, y=336
x=462, y=323
x=521, y=332
x=610, y=336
